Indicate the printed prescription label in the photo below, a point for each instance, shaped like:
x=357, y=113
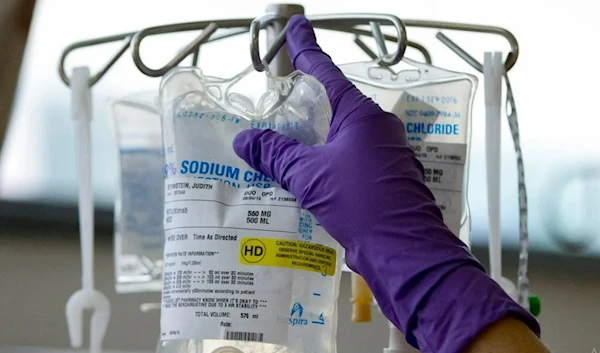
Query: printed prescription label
x=288, y=253
x=230, y=260
x=436, y=118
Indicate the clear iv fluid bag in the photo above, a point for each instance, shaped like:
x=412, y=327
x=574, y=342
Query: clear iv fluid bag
x=139, y=235
x=435, y=106
x=245, y=268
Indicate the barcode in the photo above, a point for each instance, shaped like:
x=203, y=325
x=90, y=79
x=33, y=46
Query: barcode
x=244, y=336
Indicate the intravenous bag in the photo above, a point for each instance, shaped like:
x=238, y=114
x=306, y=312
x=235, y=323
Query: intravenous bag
x=245, y=268
x=139, y=235
x=435, y=106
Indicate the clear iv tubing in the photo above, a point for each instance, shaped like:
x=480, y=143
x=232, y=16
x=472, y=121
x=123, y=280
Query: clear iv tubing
x=522, y=277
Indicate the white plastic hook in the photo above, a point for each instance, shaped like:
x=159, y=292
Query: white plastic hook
x=87, y=297
x=492, y=74
x=493, y=70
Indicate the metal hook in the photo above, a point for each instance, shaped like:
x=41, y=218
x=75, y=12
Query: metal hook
x=373, y=56
x=352, y=20
x=125, y=37
x=331, y=22
x=422, y=49
x=511, y=58
x=255, y=27
x=192, y=47
x=362, y=45
x=184, y=53
x=380, y=40
x=466, y=56
x=129, y=38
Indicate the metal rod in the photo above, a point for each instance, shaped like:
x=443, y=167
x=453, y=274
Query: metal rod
x=379, y=39
x=362, y=45
x=196, y=56
x=281, y=64
x=365, y=48
x=460, y=51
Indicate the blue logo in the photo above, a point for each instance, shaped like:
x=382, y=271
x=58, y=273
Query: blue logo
x=297, y=310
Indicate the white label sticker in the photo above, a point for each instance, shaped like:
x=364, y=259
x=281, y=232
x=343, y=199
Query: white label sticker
x=231, y=259
x=436, y=119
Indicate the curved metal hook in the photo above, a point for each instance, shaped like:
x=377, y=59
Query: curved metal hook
x=380, y=40
x=136, y=38
x=332, y=22
x=422, y=49
x=125, y=37
x=255, y=27
x=362, y=45
x=511, y=58
x=352, y=20
x=208, y=27
x=191, y=48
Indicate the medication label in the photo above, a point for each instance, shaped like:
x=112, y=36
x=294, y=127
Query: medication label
x=288, y=253
x=230, y=257
x=436, y=118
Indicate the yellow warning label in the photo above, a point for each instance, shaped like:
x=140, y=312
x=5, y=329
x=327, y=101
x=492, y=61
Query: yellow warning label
x=288, y=253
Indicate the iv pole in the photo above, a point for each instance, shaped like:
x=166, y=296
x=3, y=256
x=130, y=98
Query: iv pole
x=281, y=64
x=241, y=26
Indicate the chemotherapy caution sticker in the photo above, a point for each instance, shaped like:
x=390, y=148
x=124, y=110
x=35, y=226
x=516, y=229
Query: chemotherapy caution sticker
x=295, y=254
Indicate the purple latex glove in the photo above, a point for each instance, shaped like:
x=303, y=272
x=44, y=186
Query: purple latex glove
x=367, y=189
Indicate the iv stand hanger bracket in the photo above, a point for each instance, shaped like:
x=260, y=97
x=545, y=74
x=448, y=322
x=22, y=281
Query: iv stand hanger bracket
x=277, y=57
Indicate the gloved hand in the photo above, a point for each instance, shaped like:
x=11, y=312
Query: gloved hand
x=367, y=189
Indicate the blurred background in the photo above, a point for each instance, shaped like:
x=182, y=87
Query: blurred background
x=555, y=81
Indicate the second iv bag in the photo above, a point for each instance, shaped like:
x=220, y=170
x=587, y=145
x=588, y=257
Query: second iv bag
x=435, y=106
x=139, y=235
x=245, y=268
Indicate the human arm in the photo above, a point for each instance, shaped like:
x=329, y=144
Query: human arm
x=507, y=335
x=366, y=188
